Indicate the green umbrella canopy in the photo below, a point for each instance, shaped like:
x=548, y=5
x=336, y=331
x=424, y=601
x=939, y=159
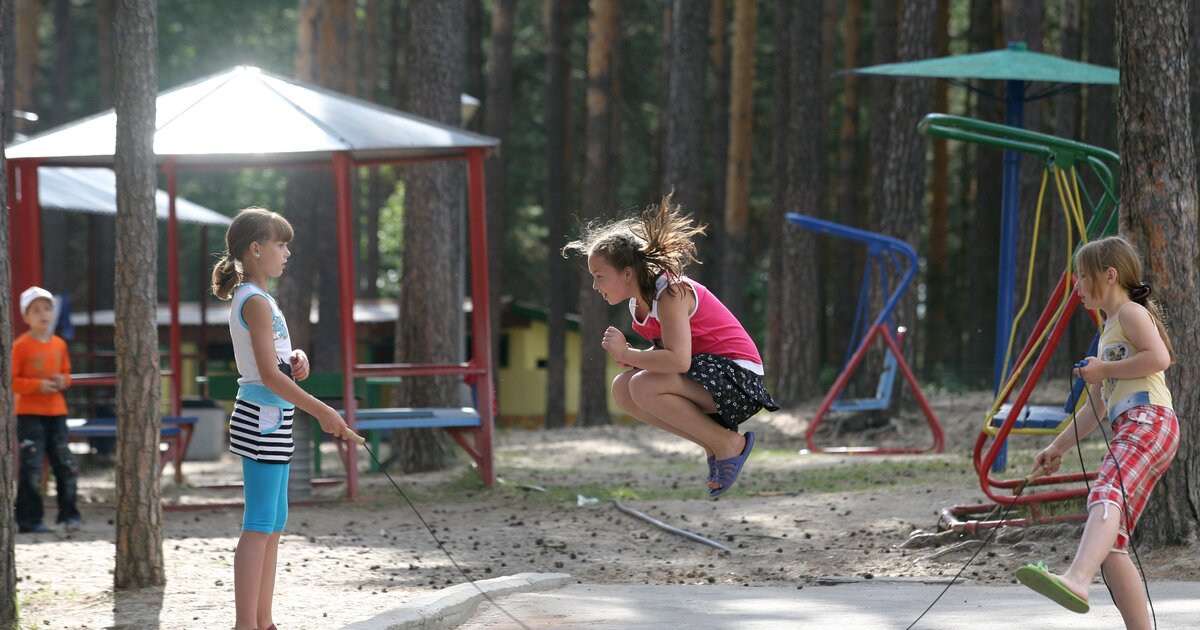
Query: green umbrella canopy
x=1016, y=62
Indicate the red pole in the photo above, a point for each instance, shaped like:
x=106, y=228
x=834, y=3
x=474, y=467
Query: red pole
x=481, y=330
x=176, y=332
x=204, y=280
x=345, y=239
x=24, y=232
x=15, y=221
x=33, y=215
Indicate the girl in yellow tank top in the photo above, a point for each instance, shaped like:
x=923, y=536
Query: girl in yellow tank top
x=1126, y=389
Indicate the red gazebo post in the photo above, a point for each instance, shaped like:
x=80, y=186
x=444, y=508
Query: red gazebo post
x=345, y=236
x=176, y=331
x=25, y=232
x=481, y=347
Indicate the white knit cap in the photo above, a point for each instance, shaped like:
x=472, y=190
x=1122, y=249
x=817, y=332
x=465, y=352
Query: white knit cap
x=35, y=293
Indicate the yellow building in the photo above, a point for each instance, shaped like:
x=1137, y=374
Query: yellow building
x=521, y=368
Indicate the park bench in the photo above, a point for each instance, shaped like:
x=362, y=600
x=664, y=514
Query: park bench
x=374, y=422
x=176, y=436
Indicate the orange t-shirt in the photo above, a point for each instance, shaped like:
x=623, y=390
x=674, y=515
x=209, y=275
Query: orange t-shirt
x=33, y=362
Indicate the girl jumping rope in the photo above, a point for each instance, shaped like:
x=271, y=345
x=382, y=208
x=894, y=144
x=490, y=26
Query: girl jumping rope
x=703, y=376
x=260, y=428
x=1127, y=390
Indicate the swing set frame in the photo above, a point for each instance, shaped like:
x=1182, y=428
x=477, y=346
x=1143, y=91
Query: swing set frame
x=1062, y=160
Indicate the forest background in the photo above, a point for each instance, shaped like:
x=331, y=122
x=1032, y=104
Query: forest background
x=358, y=47
x=602, y=108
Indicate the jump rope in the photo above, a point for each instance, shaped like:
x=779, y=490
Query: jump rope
x=1038, y=472
x=363, y=443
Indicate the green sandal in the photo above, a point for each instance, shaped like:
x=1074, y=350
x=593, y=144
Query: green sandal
x=1039, y=578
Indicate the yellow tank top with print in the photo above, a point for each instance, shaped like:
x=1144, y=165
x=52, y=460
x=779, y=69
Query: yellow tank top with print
x=1122, y=394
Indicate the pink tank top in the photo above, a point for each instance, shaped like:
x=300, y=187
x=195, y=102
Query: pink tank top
x=714, y=329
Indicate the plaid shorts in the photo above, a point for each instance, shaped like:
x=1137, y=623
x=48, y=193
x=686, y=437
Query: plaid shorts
x=1145, y=439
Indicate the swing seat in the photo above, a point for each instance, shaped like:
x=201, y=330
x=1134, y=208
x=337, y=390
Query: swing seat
x=1033, y=418
x=883, y=393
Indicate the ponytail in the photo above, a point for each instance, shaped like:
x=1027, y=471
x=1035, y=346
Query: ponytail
x=1156, y=315
x=251, y=225
x=1116, y=253
x=225, y=276
x=657, y=242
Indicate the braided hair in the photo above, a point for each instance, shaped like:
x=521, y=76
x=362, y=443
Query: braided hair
x=657, y=242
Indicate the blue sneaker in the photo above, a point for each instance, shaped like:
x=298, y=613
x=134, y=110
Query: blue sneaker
x=40, y=528
x=72, y=524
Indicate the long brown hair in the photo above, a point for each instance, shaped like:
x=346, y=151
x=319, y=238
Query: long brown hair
x=1093, y=258
x=659, y=241
x=252, y=225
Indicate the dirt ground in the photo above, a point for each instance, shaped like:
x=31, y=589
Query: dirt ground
x=794, y=519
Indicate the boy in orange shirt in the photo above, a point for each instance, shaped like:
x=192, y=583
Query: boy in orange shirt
x=41, y=373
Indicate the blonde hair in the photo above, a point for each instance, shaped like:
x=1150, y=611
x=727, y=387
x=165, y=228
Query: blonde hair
x=659, y=241
x=1117, y=253
x=251, y=225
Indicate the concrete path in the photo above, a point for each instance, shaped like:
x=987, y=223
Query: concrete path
x=864, y=605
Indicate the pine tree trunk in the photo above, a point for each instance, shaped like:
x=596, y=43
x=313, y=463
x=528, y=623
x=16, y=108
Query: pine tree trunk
x=139, y=557
x=597, y=201
x=25, y=60
x=62, y=60
x=1066, y=125
x=797, y=365
x=474, y=82
x=847, y=196
x=104, y=52
x=903, y=177
x=737, y=173
x=8, y=421
x=709, y=248
x=886, y=27
x=1159, y=215
x=684, y=110
x=779, y=188
x=1099, y=126
x=498, y=113
x=433, y=198
x=557, y=179
x=936, y=345
x=979, y=295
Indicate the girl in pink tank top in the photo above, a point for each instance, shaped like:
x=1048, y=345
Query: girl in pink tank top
x=702, y=375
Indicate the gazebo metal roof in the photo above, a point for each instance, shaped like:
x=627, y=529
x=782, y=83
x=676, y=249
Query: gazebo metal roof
x=94, y=191
x=247, y=114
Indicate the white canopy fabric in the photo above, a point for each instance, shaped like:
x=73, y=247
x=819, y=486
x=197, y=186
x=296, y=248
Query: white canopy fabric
x=94, y=190
x=247, y=115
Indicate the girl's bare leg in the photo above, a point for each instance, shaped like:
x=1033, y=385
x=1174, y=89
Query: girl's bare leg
x=1095, y=547
x=1128, y=591
x=247, y=577
x=684, y=404
x=624, y=400
x=266, y=589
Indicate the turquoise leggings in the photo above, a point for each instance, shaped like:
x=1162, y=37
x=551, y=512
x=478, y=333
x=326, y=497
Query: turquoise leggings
x=265, y=488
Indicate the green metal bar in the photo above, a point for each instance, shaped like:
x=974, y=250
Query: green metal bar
x=1053, y=149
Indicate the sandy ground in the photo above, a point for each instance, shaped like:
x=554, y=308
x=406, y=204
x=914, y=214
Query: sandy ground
x=793, y=520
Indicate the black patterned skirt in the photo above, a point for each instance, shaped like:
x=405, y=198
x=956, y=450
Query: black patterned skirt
x=738, y=392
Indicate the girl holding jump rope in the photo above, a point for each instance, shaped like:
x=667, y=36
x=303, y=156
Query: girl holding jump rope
x=1127, y=381
x=260, y=428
